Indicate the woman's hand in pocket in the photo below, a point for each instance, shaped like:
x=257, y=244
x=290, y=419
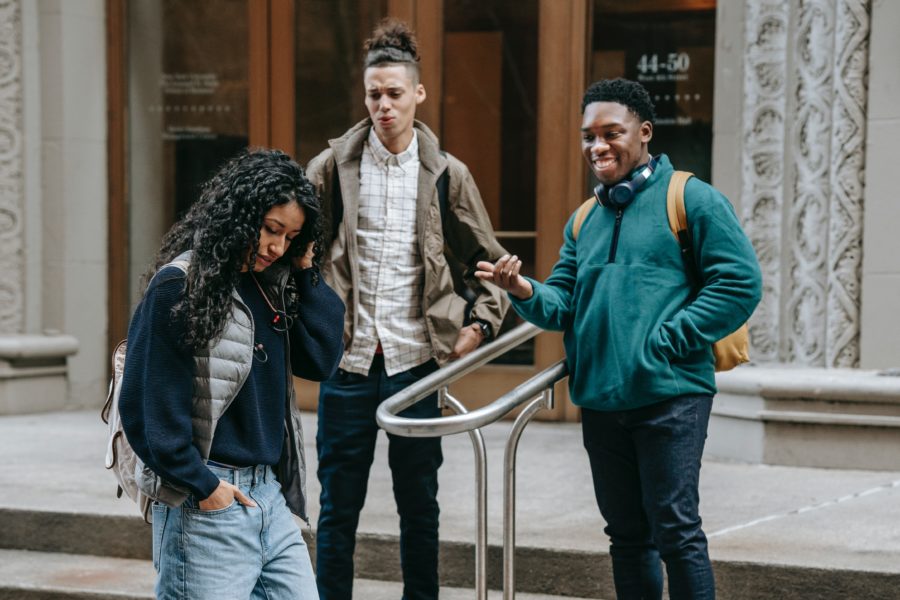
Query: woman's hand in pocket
x=223, y=496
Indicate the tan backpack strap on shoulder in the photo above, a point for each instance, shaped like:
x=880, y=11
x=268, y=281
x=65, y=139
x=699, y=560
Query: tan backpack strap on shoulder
x=675, y=202
x=581, y=214
x=733, y=349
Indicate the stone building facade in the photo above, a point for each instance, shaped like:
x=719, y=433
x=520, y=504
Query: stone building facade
x=806, y=112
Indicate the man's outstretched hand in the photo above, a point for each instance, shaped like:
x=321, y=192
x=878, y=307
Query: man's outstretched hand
x=505, y=274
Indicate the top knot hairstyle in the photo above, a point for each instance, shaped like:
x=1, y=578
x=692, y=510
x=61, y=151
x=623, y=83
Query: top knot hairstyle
x=392, y=43
x=222, y=229
x=629, y=94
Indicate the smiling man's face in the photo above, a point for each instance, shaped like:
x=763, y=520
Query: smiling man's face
x=614, y=140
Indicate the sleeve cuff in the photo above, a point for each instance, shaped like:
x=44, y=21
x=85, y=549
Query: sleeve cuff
x=208, y=486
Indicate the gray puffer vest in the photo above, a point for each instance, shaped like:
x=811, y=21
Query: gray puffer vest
x=220, y=371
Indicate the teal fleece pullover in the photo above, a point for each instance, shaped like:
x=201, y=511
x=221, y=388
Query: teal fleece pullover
x=636, y=333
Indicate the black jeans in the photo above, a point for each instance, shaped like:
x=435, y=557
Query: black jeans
x=646, y=468
x=346, y=448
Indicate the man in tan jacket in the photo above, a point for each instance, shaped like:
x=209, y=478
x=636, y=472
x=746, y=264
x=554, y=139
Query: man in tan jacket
x=401, y=213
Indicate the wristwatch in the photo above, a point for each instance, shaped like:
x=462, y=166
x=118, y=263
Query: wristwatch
x=486, y=330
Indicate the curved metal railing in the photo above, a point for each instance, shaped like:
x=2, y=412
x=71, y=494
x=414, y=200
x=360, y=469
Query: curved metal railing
x=537, y=393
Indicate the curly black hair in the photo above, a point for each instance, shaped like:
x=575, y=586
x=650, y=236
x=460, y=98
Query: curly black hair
x=222, y=228
x=392, y=43
x=630, y=94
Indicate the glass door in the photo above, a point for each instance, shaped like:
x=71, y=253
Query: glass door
x=328, y=69
x=188, y=68
x=668, y=46
x=489, y=118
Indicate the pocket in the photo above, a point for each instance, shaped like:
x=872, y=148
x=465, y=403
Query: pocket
x=192, y=506
x=214, y=531
x=425, y=369
x=344, y=376
x=654, y=348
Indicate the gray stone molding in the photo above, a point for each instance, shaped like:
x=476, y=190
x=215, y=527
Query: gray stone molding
x=802, y=170
x=816, y=417
x=36, y=347
x=11, y=174
x=849, y=385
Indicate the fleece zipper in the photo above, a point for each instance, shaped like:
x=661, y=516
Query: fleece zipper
x=613, y=246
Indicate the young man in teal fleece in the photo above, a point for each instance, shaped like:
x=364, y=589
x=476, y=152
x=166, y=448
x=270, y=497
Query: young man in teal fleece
x=639, y=325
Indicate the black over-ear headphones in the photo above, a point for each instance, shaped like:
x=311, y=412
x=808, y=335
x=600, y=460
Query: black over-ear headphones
x=621, y=194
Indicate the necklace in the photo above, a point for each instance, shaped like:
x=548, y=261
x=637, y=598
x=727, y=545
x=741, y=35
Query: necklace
x=281, y=321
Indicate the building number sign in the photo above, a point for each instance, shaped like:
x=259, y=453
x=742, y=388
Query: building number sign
x=674, y=62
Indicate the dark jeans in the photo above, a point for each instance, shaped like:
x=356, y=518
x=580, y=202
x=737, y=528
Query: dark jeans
x=646, y=468
x=346, y=448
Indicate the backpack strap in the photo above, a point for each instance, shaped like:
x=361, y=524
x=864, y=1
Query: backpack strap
x=678, y=222
x=181, y=263
x=675, y=209
x=581, y=214
x=443, y=190
x=337, y=203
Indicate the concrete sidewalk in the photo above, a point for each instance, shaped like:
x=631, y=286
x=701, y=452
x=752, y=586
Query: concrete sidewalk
x=780, y=516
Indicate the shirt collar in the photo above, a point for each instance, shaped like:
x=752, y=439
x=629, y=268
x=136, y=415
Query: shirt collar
x=385, y=157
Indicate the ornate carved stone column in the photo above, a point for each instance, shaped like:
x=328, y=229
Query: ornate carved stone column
x=848, y=137
x=765, y=107
x=809, y=143
x=11, y=175
x=803, y=160
x=33, y=367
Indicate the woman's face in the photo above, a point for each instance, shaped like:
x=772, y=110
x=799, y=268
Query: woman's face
x=280, y=226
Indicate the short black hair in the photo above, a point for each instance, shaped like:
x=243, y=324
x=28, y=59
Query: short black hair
x=629, y=94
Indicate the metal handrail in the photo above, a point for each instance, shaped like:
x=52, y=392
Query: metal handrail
x=544, y=380
x=387, y=412
x=538, y=390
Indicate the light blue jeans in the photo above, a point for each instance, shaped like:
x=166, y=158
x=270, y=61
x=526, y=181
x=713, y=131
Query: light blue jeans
x=236, y=552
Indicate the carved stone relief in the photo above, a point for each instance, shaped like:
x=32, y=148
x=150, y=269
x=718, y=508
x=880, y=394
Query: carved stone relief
x=765, y=99
x=810, y=147
x=804, y=136
x=848, y=134
x=11, y=176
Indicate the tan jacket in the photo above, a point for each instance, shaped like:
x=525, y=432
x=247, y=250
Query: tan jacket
x=467, y=234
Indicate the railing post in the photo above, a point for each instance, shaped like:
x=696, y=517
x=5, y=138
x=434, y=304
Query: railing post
x=446, y=400
x=538, y=390
x=545, y=400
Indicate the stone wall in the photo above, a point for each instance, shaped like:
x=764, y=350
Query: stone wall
x=802, y=170
x=12, y=279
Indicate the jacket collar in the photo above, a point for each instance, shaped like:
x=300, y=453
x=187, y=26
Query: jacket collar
x=348, y=147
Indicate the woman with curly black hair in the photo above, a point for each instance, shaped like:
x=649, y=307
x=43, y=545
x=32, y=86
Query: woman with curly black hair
x=234, y=307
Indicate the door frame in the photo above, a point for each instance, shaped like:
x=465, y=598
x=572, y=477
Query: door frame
x=271, y=123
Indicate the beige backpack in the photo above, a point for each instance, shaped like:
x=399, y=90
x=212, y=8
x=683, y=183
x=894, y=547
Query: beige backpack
x=120, y=456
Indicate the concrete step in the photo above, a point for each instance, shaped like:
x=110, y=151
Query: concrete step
x=103, y=550
x=569, y=572
x=774, y=532
x=371, y=589
x=26, y=575
x=839, y=418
